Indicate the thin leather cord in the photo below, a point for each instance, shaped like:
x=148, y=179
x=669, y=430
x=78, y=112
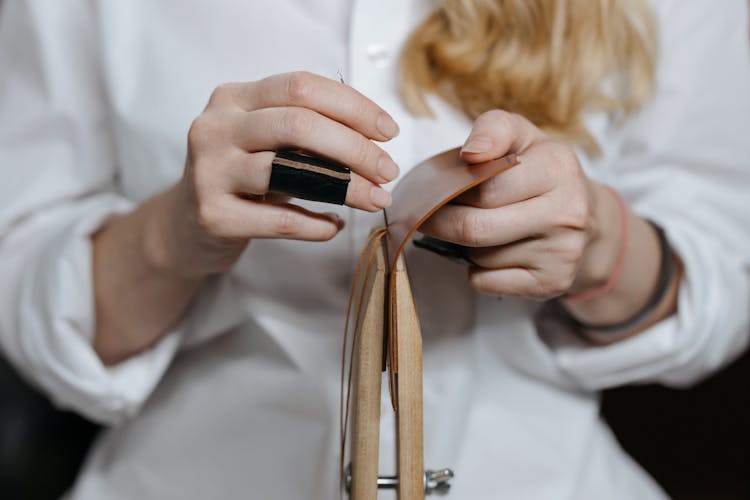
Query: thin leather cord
x=368, y=255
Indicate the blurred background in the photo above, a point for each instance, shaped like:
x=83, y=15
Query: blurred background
x=695, y=443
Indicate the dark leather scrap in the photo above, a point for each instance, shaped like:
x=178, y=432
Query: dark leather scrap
x=453, y=251
x=302, y=175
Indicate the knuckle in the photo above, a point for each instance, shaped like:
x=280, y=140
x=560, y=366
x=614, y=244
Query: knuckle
x=577, y=211
x=480, y=283
x=500, y=120
x=571, y=249
x=209, y=217
x=225, y=95
x=288, y=224
x=361, y=152
x=473, y=227
x=542, y=287
x=486, y=193
x=296, y=123
x=557, y=283
x=565, y=159
x=565, y=280
x=204, y=129
x=362, y=107
x=220, y=92
x=358, y=193
x=575, y=202
x=299, y=87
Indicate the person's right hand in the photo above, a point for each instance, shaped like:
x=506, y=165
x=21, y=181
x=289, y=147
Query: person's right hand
x=220, y=204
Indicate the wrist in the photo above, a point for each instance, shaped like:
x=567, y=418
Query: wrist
x=163, y=252
x=128, y=256
x=602, y=254
x=177, y=246
x=641, y=299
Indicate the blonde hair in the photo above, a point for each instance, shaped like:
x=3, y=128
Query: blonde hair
x=549, y=60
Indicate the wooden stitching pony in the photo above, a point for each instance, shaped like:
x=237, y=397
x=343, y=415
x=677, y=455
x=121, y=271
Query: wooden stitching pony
x=386, y=335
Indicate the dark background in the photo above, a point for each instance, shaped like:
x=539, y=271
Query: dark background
x=695, y=442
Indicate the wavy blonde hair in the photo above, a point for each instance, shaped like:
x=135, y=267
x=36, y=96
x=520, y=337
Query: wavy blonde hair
x=548, y=60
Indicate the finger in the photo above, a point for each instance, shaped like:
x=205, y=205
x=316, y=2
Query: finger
x=480, y=227
x=243, y=218
x=365, y=195
x=250, y=173
x=497, y=133
x=328, y=97
x=524, y=253
x=514, y=281
x=269, y=129
x=533, y=176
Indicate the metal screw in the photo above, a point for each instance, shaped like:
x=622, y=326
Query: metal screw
x=435, y=481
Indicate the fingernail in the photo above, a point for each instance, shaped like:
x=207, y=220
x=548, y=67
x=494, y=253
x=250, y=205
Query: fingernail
x=387, y=126
x=387, y=168
x=477, y=144
x=380, y=197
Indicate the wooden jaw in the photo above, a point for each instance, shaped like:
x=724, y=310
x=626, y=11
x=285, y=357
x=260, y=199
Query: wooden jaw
x=409, y=420
x=367, y=360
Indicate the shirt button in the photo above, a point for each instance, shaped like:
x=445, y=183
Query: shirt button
x=378, y=55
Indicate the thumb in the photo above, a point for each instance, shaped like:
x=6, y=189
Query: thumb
x=497, y=133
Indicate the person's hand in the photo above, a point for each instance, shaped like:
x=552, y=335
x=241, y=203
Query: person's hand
x=221, y=203
x=534, y=230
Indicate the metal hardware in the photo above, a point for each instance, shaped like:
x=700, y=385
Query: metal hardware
x=436, y=482
x=387, y=482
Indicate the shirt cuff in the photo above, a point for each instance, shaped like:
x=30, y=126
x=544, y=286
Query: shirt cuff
x=709, y=329
x=48, y=334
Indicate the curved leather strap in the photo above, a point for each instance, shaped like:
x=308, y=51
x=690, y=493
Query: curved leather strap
x=419, y=194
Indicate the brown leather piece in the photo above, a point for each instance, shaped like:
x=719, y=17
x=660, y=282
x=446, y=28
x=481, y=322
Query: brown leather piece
x=419, y=194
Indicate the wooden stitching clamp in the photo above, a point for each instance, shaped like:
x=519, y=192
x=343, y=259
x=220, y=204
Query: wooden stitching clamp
x=386, y=335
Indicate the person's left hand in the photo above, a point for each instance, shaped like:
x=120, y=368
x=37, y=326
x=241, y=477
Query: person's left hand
x=532, y=230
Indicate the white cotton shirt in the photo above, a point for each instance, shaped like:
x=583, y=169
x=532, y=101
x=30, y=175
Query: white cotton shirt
x=241, y=399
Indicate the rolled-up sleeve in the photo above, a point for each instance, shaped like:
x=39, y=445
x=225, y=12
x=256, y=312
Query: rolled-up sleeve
x=684, y=162
x=58, y=186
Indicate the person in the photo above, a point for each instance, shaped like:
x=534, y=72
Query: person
x=152, y=284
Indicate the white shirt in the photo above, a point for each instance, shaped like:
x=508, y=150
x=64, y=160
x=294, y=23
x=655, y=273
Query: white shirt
x=241, y=400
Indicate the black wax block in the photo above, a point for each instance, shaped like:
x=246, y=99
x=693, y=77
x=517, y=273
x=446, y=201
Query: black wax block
x=302, y=175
